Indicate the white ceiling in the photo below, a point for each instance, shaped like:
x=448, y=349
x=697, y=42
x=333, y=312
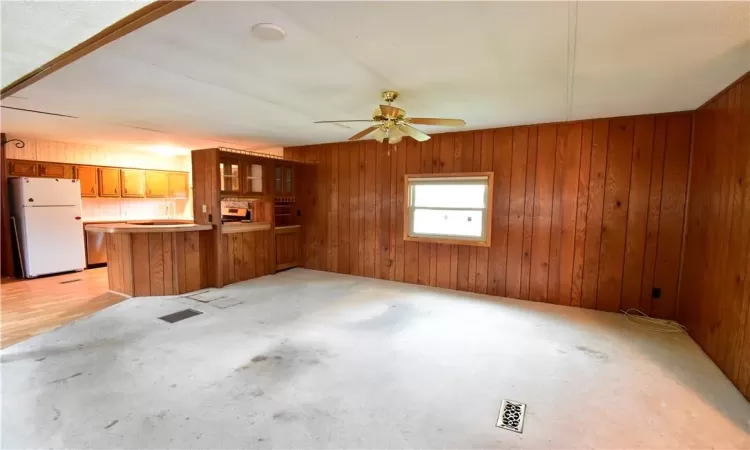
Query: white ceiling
x=197, y=76
x=35, y=32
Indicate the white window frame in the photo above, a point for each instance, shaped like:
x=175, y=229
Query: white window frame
x=411, y=180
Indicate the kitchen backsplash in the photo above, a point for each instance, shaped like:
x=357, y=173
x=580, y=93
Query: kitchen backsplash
x=135, y=208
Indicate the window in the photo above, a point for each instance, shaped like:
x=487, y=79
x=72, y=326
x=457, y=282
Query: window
x=455, y=208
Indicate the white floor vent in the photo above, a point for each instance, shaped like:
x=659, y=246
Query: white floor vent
x=511, y=416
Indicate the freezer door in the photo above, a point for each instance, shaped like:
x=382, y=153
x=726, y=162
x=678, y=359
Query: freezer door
x=52, y=240
x=46, y=192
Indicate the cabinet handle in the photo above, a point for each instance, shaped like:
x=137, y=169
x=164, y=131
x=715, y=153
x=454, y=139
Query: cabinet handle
x=116, y=191
x=92, y=190
x=126, y=190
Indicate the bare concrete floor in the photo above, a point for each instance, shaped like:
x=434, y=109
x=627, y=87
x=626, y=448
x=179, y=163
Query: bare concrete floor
x=310, y=359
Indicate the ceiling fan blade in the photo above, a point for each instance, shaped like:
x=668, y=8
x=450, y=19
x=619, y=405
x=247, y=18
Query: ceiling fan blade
x=344, y=121
x=391, y=112
x=364, y=132
x=413, y=132
x=432, y=121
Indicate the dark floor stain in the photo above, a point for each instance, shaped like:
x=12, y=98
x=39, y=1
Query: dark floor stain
x=57, y=413
x=559, y=350
x=257, y=392
x=162, y=414
x=282, y=362
x=40, y=359
x=78, y=374
x=111, y=424
x=592, y=353
x=261, y=440
x=285, y=416
x=173, y=386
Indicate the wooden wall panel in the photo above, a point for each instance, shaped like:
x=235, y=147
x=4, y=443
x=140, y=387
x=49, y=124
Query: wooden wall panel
x=714, y=286
x=565, y=196
x=153, y=264
x=245, y=255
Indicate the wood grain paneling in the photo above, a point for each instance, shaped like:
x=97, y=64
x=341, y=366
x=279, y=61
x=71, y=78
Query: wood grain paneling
x=245, y=256
x=287, y=248
x=561, y=210
x=148, y=264
x=714, y=291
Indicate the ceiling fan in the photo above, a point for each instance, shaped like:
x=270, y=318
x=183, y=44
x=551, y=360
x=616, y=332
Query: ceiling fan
x=392, y=123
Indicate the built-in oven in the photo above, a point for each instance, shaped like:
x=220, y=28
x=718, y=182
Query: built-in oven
x=236, y=215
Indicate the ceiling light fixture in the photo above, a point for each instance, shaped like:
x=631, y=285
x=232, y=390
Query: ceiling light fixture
x=267, y=32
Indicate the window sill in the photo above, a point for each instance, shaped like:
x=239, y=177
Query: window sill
x=432, y=240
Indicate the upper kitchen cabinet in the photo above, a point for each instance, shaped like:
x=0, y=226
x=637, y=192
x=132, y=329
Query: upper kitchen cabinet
x=284, y=180
x=109, y=182
x=22, y=169
x=55, y=170
x=88, y=178
x=253, y=178
x=178, y=185
x=133, y=182
x=229, y=169
x=157, y=184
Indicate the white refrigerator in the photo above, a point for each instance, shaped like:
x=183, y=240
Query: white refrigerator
x=50, y=230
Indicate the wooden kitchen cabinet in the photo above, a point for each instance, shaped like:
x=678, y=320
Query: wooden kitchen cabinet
x=229, y=169
x=109, y=182
x=287, y=247
x=253, y=178
x=178, y=185
x=87, y=175
x=157, y=184
x=22, y=169
x=54, y=170
x=133, y=182
x=284, y=181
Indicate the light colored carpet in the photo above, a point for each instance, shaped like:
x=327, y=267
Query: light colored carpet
x=313, y=359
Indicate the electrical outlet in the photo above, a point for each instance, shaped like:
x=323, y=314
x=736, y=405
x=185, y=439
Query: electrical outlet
x=204, y=208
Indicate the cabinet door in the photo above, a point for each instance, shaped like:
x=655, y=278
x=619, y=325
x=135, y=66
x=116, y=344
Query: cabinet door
x=88, y=179
x=288, y=180
x=278, y=180
x=22, y=169
x=133, y=182
x=287, y=248
x=52, y=170
x=157, y=184
x=109, y=182
x=230, y=175
x=178, y=185
x=253, y=182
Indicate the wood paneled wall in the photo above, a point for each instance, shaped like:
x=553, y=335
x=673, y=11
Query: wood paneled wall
x=715, y=288
x=586, y=214
x=144, y=264
x=246, y=255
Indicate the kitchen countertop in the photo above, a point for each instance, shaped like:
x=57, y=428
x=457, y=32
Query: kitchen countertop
x=133, y=227
x=239, y=227
x=115, y=220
